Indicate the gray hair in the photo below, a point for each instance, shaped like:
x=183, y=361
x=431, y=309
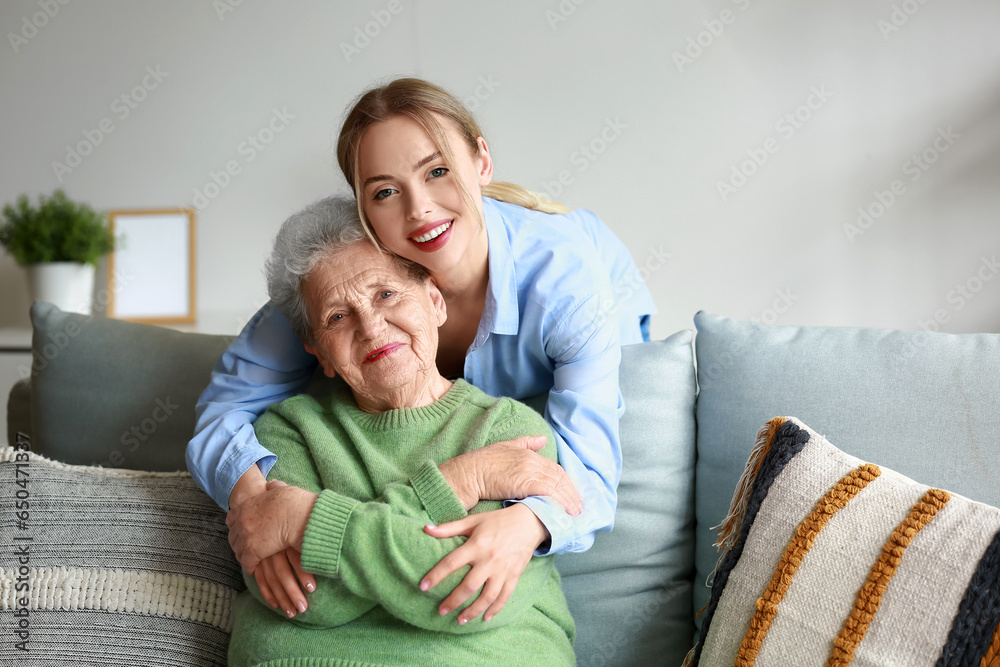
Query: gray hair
x=318, y=231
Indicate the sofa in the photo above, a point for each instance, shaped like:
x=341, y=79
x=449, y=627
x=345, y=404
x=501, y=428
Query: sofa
x=127, y=561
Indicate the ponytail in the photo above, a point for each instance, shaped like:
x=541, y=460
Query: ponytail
x=521, y=196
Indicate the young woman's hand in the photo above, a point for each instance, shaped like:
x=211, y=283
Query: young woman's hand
x=282, y=581
x=510, y=470
x=500, y=544
x=269, y=522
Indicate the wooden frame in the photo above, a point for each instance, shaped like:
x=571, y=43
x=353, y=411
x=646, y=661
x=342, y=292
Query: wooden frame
x=151, y=276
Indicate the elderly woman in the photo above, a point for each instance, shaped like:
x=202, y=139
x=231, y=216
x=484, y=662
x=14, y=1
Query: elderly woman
x=366, y=468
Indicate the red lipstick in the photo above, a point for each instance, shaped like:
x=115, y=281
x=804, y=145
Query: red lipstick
x=382, y=352
x=436, y=243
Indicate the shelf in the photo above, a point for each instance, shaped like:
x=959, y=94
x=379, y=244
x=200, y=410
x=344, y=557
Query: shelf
x=15, y=339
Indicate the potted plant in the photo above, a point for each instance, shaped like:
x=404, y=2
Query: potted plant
x=60, y=243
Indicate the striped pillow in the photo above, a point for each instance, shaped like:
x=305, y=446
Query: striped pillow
x=111, y=566
x=828, y=560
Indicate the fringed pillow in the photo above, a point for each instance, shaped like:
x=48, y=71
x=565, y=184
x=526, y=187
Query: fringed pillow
x=827, y=560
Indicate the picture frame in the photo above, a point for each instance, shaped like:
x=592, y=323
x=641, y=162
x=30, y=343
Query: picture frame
x=151, y=274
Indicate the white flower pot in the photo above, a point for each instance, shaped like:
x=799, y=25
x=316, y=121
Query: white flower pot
x=69, y=285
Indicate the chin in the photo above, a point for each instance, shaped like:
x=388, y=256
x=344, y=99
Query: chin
x=390, y=379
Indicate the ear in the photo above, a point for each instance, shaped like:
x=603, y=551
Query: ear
x=485, y=162
x=328, y=369
x=437, y=299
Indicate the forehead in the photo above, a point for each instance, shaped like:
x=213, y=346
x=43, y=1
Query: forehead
x=402, y=141
x=398, y=139
x=353, y=268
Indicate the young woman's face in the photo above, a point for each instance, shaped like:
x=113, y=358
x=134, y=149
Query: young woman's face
x=412, y=197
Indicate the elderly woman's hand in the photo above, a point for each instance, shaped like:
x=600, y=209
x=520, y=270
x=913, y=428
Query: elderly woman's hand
x=510, y=470
x=499, y=545
x=269, y=522
x=279, y=577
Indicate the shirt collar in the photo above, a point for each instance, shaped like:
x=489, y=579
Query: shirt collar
x=500, y=314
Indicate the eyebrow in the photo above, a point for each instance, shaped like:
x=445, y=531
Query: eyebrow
x=385, y=177
x=379, y=281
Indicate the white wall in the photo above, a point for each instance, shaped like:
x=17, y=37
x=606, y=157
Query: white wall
x=552, y=77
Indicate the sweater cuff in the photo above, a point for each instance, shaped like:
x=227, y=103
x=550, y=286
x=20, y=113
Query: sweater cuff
x=436, y=494
x=325, y=533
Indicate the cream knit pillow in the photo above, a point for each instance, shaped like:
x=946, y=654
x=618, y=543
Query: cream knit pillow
x=111, y=566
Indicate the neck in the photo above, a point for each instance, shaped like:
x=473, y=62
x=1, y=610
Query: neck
x=425, y=390
x=467, y=280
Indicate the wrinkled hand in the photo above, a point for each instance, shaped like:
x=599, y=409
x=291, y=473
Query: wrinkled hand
x=499, y=547
x=279, y=577
x=510, y=470
x=269, y=522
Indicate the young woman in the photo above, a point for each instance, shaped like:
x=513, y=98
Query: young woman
x=540, y=299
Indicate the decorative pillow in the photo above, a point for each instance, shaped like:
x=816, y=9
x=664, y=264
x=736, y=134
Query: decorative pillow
x=112, y=567
x=113, y=393
x=828, y=560
x=855, y=385
x=630, y=593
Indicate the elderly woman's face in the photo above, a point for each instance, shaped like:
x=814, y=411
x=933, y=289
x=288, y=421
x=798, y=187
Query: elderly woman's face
x=372, y=323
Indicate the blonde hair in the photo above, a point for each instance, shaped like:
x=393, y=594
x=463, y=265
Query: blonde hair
x=419, y=100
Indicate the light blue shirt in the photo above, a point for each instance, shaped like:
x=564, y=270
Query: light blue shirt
x=563, y=296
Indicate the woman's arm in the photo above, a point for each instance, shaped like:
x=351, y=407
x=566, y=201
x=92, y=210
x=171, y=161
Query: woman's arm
x=511, y=469
x=502, y=470
x=269, y=525
x=380, y=552
x=584, y=407
x=264, y=365
x=377, y=551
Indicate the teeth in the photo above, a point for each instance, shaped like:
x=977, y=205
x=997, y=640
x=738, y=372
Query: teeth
x=433, y=234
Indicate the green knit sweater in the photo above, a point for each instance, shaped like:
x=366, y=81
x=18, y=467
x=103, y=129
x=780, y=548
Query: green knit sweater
x=378, y=482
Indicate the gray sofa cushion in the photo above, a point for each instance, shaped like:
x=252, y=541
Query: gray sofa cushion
x=115, y=393
x=923, y=404
x=631, y=592
x=18, y=410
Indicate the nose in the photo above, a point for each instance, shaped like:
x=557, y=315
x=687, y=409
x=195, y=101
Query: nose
x=418, y=203
x=370, y=324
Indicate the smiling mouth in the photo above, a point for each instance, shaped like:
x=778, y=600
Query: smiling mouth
x=382, y=352
x=434, y=233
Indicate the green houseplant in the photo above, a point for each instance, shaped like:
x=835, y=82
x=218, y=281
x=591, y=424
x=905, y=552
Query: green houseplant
x=60, y=242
